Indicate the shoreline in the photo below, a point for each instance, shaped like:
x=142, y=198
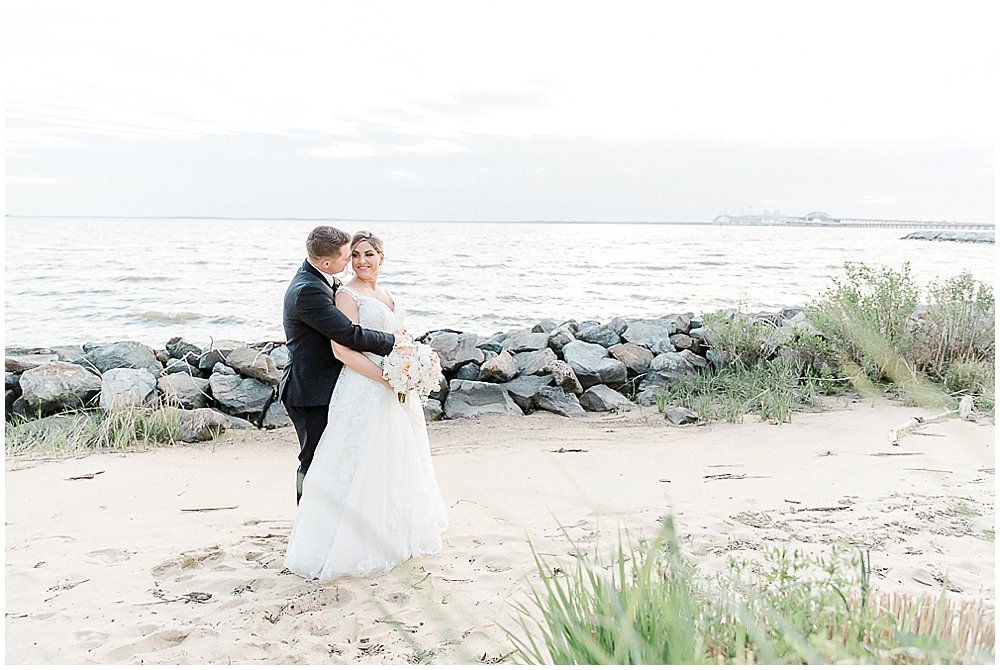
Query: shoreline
x=91, y=581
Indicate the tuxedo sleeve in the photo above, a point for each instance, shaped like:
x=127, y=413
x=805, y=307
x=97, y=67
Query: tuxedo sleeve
x=318, y=311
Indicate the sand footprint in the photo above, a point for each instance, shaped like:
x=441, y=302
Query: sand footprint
x=194, y=558
x=397, y=598
x=158, y=642
x=91, y=636
x=107, y=556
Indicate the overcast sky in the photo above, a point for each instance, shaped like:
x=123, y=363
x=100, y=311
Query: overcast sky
x=666, y=111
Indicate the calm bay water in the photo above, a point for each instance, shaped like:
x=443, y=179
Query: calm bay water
x=70, y=281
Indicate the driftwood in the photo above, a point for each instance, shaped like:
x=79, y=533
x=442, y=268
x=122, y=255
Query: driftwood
x=87, y=476
x=964, y=411
x=208, y=509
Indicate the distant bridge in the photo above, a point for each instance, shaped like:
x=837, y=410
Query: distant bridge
x=827, y=221
x=898, y=223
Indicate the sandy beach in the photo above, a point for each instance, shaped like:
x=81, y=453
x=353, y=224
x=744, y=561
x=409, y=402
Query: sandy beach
x=121, y=567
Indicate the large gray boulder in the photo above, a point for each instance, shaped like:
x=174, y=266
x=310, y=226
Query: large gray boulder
x=593, y=366
x=602, y=335
x=468, y=372
x=554, y=399
x=525, y=340
x=501, y=368
x=699, y=362
x=194, y=425
x=600, y=398
x=559, y=338
x=180, y=348
x=433, y=410
x=618, y=324
x=471, y=398
x=244, y=398
x=544, y=326
x=682, y=341
x=17, y=407
x=703, y=336
x=53, y=387
x=635, y=358
x=182, y=390
x=650, y=334
x=564, y=377
x=455, y=349
x=233, y=422
x=492, y=343
x=122, y=388
x=280, y=356
x=535, y=362
x=254, y=364
x=524, y=389
x=222, y=369
x=683, y=323
x=19, y=362
x=217, y=352
x=10, y=397
x=680, y=416
x=674, y=365
x=67, y=352
x=276, y=416
x=188, y=367
x=27, y=351
x=126, y=354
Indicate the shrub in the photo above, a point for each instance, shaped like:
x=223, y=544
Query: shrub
x=738, y=339
x=957, y=326
x=881, y=335
x=868, y=308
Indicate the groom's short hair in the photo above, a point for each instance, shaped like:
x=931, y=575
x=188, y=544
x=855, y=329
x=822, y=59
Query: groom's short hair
x=325, y=241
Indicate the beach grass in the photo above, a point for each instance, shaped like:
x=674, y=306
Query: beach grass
x=648, y=605
x=770, y=389
x=85, y=431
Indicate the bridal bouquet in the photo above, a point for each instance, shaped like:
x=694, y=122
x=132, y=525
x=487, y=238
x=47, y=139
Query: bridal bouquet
x=412, y=367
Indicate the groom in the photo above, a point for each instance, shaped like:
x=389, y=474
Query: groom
x=311, y=321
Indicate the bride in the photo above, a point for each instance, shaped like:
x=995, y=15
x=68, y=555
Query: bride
x=370, y=499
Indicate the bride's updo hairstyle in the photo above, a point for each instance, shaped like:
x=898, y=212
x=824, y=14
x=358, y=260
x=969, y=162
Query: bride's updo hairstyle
x=369, y=237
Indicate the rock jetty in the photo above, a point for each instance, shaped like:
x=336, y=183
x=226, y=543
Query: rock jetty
x=968, y=236
x=567, y=368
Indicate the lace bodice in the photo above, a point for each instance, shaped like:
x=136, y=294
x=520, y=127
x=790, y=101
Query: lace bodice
x=375, y=314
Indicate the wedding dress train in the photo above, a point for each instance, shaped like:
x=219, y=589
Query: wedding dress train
x=370, y=499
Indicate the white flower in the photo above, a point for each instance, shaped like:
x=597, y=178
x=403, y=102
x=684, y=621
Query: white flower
x=412, y=367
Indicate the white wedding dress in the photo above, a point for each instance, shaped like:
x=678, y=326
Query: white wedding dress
x=370, y=499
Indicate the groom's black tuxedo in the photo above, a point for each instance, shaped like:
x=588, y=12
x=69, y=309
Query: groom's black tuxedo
x=311, y=320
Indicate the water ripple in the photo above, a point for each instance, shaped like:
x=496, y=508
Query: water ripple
x=507, y=275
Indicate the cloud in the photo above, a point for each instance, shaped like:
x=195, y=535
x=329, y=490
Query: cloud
x=469, y=101
x=28, y=181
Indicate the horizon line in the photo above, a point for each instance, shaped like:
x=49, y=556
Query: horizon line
x=371, y=220
x=340, y=218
